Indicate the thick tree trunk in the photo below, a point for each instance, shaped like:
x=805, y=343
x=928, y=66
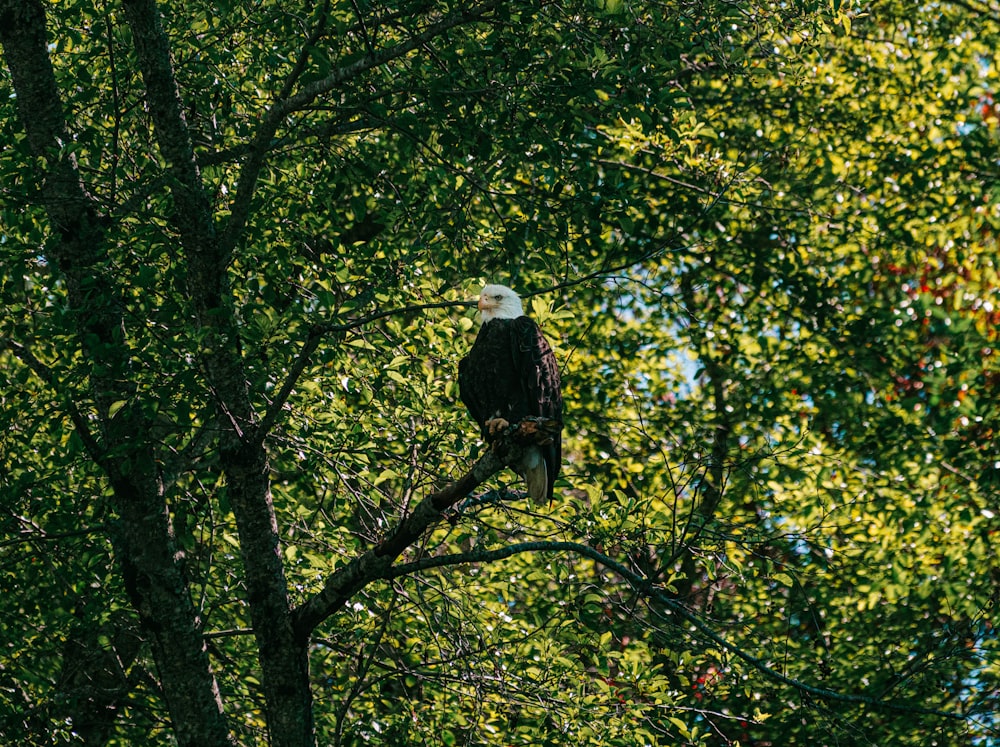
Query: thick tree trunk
x=143, y=542
x=283, y=658
x=162, y=598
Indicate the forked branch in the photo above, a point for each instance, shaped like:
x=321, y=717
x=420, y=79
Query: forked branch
x=377, y=562
x=246, y=185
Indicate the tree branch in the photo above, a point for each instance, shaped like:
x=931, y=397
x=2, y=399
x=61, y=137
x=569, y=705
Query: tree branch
x=713, y=487
x=372, y=60
x=246, y=185
x=313, y=338
x=716, y=195
x=40, y=535
x=338, y=328
x=647, y=589
x=192, y=209
x=377, y=562
x=300, y=64
x=90, y=442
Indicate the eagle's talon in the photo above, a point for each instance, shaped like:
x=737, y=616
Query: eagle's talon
x=496, y=425
x=527, y=428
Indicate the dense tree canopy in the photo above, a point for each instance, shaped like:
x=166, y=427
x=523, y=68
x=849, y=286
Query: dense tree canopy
x=241, y=502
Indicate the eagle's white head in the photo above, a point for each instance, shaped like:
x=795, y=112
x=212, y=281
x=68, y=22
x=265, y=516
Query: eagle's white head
x=499, y=302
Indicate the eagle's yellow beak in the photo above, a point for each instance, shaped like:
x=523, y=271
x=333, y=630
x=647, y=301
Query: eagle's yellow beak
x=483, y=302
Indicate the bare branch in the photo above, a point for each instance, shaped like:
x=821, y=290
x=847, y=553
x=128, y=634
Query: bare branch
x=231, y=633
x=332, y=328
x=372, y=60
x=40, y=535
x=712, y=488
x=716, y=195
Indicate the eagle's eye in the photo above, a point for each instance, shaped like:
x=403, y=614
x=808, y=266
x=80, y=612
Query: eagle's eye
x=498, y=297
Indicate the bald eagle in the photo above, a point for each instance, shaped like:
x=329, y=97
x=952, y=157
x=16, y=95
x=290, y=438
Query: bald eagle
x=510, y=374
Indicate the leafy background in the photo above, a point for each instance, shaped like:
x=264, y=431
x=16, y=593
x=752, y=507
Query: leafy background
x=761, y=238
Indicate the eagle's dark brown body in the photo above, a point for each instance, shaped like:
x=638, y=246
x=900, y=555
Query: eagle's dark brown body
x=511, y=373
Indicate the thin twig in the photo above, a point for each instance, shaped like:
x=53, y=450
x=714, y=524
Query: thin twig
x=90, y=442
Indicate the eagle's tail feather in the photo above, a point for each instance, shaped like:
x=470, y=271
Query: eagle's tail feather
x=535, y=475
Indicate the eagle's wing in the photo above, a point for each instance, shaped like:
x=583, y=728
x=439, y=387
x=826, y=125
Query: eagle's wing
x=466, y=389
x=542, y=390
x=536, y=364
